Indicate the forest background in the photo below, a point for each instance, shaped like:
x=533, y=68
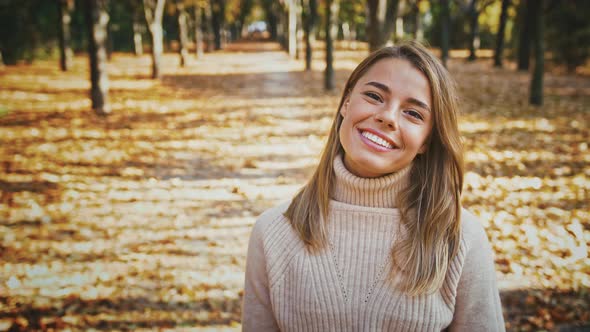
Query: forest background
x=140, y=140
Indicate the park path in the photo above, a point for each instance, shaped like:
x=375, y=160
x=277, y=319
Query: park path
x=140, y=220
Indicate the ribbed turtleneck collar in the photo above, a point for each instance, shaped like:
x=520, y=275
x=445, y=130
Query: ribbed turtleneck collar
x=378, y=192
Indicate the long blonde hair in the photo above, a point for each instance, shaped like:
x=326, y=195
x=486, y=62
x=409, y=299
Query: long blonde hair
x=430, y=206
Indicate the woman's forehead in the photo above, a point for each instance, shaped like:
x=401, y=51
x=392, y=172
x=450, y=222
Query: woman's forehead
x=388, y=66
x=399, y=75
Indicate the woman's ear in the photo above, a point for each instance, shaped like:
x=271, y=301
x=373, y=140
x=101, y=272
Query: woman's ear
x=427, y=142
x=344, y=108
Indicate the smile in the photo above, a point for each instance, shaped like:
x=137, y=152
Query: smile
x=376, y=139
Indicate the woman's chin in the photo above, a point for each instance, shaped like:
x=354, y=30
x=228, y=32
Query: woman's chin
x=367, y=166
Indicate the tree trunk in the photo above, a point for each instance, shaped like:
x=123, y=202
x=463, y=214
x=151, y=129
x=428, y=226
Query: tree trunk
x=374, y=22
x=270, y=10
x=245, y=10
x=310, y=12
x=299, y=29
x=391, y=18
x=217, y=20
x=501, y=31
x=305, y=13
x=137, y=31
x=474, y=35
x=209, y=27
x=272, y=26
x=284, y=30
x=331, y=17
x=110, y=45
x=419, y=27
x=445, y=22
x=182, y=32
x=524, y=43
x=157, y=48
x=154, y=11
x=237, y=31
x=225, y=37
x=291, y=7
x=65, y=51
x=536, y=11
x=97, y=19
x=198, y=31
x=353, y=36
x=382, y=17
x=399, y=28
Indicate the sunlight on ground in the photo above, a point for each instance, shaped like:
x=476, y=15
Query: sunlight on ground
x=141, y=220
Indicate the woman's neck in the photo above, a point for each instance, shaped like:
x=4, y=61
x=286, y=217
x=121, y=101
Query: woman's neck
x=379, y=192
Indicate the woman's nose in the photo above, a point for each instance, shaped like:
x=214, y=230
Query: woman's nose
x=387, y=117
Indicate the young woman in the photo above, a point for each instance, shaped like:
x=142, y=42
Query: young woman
x=377, y=239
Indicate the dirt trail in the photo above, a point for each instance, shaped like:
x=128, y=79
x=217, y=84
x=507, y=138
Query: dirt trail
x=142, y=219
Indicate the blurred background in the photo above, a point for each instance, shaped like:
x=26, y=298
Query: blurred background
x=140, y=140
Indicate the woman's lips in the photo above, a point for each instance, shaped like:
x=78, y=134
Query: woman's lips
x=376, y=138
x=376, y=142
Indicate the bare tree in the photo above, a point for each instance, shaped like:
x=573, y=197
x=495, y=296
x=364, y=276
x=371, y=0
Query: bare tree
x=65, y=51
x=154, y=11
x=97, y=19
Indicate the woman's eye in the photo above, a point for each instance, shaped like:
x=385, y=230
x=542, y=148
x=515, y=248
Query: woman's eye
x=414, y=114
x=373, y=96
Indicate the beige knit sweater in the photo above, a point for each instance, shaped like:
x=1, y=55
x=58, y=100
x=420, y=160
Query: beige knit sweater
x=344, y=288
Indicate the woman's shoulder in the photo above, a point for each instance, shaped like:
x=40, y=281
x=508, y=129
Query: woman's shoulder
x=272, y=221
x=473, y=233
x=272, y=215
x=280, y=243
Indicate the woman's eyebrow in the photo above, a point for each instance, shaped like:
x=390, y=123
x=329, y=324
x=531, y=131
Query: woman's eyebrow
x=379, y=86
x=419, y=103
x=411, y=100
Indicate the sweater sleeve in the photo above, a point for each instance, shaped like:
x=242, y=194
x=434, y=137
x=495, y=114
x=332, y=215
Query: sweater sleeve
x=477, y=306
x=257, y=314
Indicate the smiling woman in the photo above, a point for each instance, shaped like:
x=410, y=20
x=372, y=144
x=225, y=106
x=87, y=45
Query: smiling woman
x=377, y=239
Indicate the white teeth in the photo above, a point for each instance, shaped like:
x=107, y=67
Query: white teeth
x=376, y=139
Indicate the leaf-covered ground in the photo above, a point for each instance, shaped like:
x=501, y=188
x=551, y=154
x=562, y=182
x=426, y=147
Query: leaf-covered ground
x=140, y=220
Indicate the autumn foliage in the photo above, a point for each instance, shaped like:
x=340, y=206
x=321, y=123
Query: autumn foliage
x=140, y=220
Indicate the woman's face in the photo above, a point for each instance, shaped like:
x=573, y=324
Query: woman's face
x=387, y=119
